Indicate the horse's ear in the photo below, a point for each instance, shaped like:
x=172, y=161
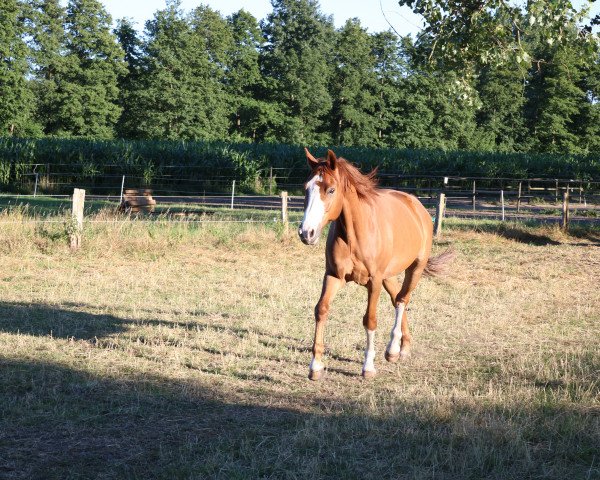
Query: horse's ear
x=331, y=159
x=312, y=161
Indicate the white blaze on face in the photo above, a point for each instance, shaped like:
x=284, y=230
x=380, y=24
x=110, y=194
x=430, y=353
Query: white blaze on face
x=396, y=334
x=369, y=365
x=315, y=207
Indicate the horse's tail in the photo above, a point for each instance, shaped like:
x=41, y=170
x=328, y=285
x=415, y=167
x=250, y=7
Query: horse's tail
x=438, y=266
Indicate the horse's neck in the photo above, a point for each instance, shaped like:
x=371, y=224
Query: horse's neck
x=354, y=220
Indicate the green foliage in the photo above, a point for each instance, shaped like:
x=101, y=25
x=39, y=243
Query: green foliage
x=16, y=99
x=390, y=67
x=482, y=75
x=354, y=86
x=217, y=163
x=297, y=66
x=252, y=116
x=502, y=95
x=48, y=21
x=467, y=34
x=86, y=100
x=131, y=45
x=176, y=94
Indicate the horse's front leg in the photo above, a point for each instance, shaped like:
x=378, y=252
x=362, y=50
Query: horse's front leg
x=331, y=286
x=370, y=324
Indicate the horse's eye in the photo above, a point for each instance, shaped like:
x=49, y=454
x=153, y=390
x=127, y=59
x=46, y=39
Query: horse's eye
x=331, y=191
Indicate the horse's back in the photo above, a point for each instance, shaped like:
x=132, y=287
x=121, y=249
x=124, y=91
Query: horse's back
x=413, y=207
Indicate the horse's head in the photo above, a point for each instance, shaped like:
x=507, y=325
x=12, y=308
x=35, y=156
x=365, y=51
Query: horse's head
x=322, y=198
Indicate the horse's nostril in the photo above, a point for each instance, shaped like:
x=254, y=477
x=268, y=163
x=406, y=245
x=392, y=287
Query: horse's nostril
x=311, y=233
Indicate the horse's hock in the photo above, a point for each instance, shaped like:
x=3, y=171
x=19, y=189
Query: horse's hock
x=138, y=200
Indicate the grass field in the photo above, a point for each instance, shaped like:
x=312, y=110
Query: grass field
x=181, y=351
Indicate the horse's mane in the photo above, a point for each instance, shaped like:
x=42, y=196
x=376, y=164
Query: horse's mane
x=351, y=177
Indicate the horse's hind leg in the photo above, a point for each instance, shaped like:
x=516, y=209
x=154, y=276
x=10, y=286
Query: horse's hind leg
x=400, y=337
x=392, y=352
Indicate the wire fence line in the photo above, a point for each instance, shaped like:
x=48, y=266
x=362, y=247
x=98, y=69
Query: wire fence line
x=466, y=197
x=220, y=182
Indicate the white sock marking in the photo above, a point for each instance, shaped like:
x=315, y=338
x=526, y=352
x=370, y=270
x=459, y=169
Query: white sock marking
x=369, y=365
x=396, y=334
x=315, y=365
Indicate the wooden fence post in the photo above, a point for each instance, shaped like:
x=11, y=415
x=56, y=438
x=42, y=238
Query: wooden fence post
x=439, y=213
x=232, y=193
x=284, y=213
x=474, y=194
x=77, y=218
x=519, y=199
x=122, y=188
x=565, y=211
x=502, y=202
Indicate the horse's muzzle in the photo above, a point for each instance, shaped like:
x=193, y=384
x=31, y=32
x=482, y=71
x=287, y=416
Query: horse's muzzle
x=309, y=236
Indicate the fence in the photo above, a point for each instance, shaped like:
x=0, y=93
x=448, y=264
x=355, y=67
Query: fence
x=558, y=200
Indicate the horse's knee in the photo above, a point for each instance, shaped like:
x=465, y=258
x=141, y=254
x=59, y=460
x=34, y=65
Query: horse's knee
x=321, y=311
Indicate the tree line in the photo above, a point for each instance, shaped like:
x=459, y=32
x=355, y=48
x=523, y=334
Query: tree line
x=478, y=77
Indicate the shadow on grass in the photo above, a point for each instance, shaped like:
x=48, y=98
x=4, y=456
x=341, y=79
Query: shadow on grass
x=58, y=322
x=531, y=233
x=59, y=422
x=523, y=236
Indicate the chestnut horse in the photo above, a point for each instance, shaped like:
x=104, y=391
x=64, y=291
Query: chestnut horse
x=376, y=234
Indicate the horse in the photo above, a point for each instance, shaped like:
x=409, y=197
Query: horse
x=375, y=235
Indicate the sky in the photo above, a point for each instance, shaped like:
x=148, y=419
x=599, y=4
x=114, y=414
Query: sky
x=368, y=11
x=372, y=13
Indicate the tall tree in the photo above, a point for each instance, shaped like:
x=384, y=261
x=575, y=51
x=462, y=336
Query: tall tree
x=131, y=45
x=16, y=99
x=557, y=91
x=252, y=116
x=556, y=101
x=81, y=80
x=297, y=66
x=50, y=65
x=390, y=68
x=436, y=107
x=588, y=121
x=354, y=87
x=175, y=95
x=216, y=40
x=500, y=117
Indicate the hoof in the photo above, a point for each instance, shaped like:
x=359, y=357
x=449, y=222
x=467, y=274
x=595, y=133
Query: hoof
x=315, y=374
x=392, y=357
x=404, y=355
x=366, y=374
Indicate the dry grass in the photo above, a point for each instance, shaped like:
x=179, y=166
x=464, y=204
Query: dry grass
x=179, y=351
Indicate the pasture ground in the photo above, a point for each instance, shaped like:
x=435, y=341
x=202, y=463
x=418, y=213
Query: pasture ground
x=181, y=351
